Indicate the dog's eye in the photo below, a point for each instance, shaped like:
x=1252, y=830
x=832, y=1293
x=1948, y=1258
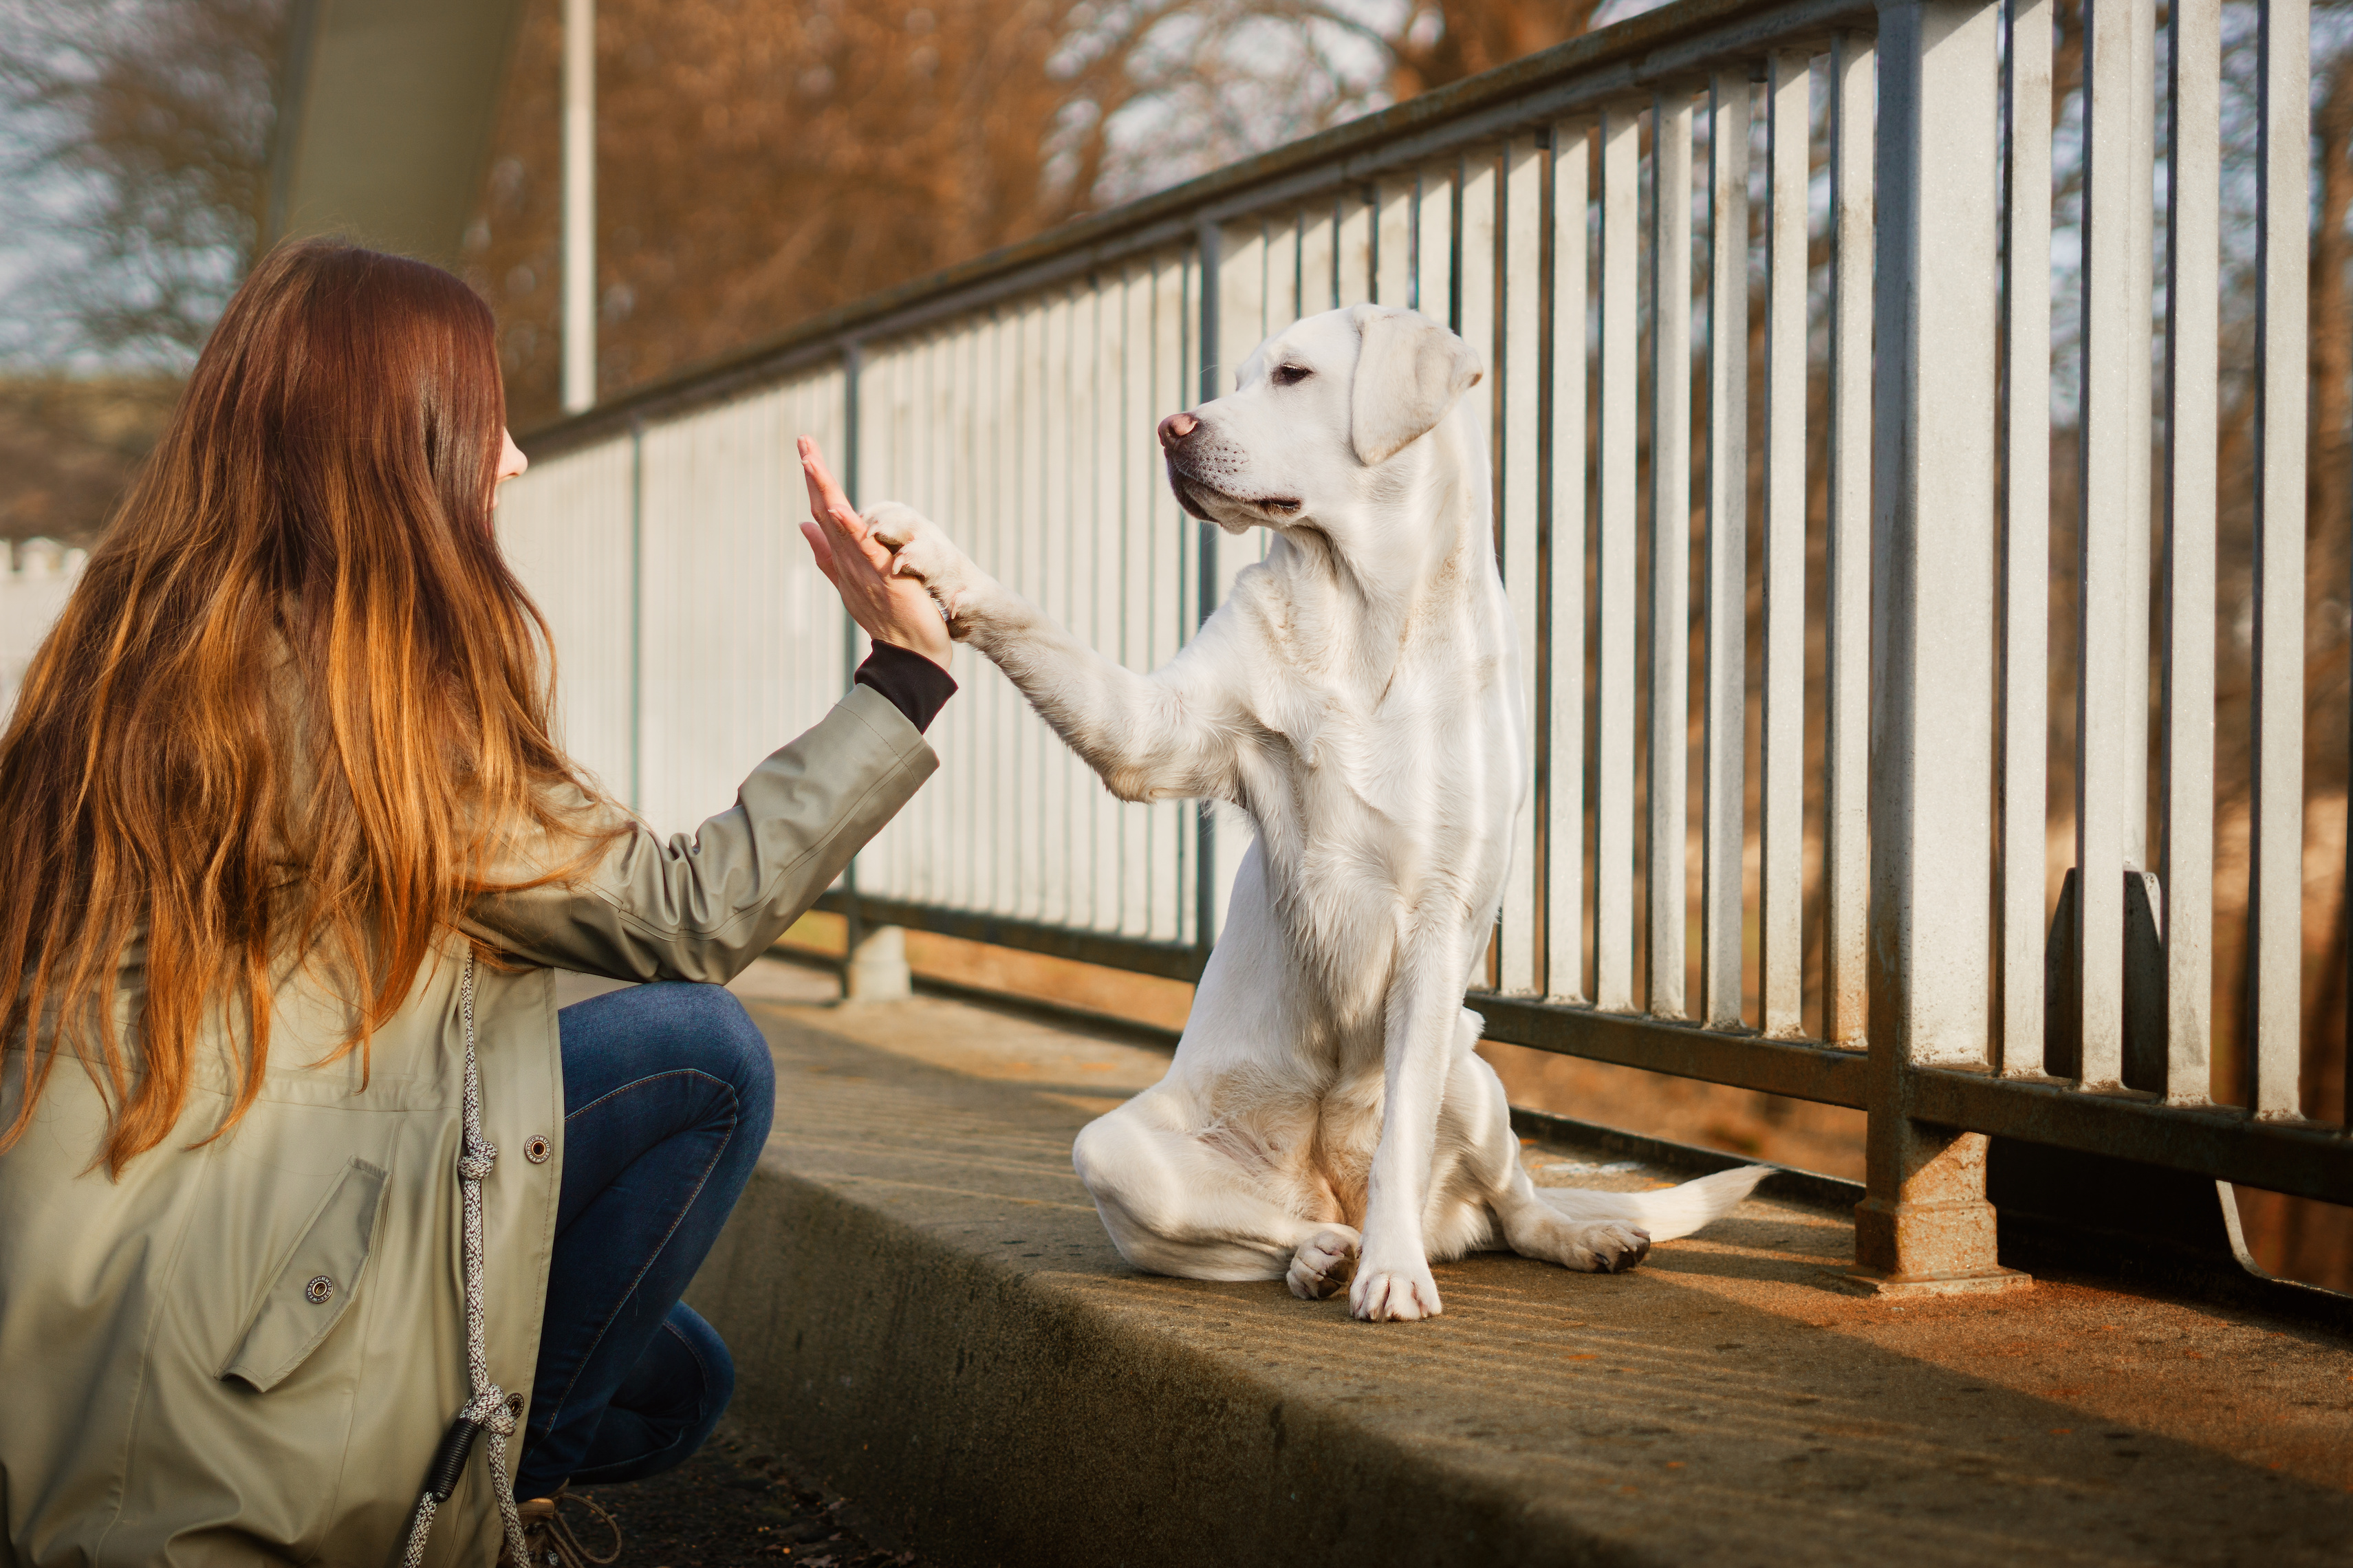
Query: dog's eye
x=1291, y=374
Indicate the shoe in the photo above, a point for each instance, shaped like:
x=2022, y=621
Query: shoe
x=548, y=1538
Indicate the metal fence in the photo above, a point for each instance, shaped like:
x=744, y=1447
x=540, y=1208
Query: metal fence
x=36, y=575
x=1895, y=276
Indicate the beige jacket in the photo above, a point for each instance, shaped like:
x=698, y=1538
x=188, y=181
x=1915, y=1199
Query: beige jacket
x=170, y=1392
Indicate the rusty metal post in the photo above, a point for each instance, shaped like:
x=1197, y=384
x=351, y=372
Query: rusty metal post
x=1924, y=1224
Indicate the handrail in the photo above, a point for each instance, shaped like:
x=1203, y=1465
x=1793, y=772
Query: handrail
x=1625, y=61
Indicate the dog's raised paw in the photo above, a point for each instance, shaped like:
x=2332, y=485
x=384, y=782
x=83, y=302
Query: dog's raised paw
x=1394, y=1295
x=1612, y=1248
x=1323, y=1263
x=920, y=549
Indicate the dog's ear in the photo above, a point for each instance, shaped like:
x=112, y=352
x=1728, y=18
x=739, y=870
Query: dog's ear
x=1410, y=371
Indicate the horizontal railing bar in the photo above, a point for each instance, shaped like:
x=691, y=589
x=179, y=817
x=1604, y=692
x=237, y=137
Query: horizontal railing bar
x=2307, y=1159
x=1796, y=1069
x=1809, y=27
x=1168, y=960
x=1621, y=62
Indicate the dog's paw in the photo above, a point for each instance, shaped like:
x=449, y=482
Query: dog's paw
x=1611, y=1246
x=1394, y=1295
x=1323, y=1263
x=920, y=549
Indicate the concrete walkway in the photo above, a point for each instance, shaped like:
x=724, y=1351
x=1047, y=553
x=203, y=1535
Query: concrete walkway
x=925, y=1307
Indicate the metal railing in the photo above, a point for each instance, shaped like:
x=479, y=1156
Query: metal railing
x=1899, y=161
x=36, y=575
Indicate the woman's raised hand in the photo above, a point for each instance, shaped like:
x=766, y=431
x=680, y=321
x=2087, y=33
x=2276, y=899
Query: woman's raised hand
x=897, y=610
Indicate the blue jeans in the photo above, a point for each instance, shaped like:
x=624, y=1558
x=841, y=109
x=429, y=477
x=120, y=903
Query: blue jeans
x=668, y=1092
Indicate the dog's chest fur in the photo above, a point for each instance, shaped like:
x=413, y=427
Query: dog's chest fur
x=1388, y=766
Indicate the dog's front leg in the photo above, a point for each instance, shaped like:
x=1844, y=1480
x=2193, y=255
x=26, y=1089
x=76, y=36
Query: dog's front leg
x=1148, y=737
x=1423, y=1023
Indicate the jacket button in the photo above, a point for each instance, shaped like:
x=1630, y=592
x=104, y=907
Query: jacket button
x=536, y=1149
x=319, y=1289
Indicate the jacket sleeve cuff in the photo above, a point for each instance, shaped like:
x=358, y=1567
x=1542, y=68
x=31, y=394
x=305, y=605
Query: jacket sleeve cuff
x=914, y=685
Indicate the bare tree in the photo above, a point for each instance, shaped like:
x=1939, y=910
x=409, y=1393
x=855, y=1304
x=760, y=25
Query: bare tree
x=142, y=130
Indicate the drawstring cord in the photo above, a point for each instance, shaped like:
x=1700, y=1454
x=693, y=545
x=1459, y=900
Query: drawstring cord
x=489, y=1410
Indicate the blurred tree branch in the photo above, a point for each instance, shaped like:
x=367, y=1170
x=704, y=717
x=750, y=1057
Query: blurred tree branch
x=146, y=126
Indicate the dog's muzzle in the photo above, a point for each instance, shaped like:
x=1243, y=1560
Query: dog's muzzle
x=1197, y=496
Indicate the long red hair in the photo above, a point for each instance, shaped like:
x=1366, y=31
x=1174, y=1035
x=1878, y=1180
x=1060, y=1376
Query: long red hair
x=295, y=705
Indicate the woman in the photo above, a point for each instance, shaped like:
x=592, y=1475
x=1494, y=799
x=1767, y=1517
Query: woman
x=287, y=856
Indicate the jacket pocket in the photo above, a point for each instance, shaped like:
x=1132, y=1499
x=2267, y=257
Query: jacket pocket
x=317, y=1283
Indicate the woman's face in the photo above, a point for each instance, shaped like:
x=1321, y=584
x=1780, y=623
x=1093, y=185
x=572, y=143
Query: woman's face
x=511, y=458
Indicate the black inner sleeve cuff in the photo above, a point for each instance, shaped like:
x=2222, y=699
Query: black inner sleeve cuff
x=914, y=685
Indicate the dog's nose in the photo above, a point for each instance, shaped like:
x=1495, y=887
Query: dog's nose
x=1175, y=427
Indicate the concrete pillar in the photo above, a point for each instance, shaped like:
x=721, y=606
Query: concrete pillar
x=877, y=968
x=1924, y=1224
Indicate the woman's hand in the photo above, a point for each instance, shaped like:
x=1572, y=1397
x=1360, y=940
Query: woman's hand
x=896, y=610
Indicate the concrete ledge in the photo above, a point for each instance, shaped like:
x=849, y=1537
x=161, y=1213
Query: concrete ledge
x=924, y=1309
x=999, y=1415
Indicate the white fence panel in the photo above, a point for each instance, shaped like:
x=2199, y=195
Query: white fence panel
x=743, y=641
x=1028, y=432
x=36, y=575
x=568, y=528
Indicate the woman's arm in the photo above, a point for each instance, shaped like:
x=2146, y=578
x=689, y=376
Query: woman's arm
x=702, y=906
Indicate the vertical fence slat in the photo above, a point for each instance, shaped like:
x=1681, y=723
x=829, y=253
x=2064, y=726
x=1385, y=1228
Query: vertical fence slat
x=1282, y=270
x=2192, y=291
x=1392, y=256
x=2105, y=770
x=1433, y=241
x=1352, y=248
x=964, y=744
x=1127, y=397
x=1517, y=365
x=1846, y=676
x=1933, y=506
x=1478, y=235
x=2026, y=542
x=2275, y=847
x=1167, y=387
x=1029, y=519
x=1318, y=259
x=1613, y=889
x=939, y=447
x=1195, y=297
x=1781, y=827
x=1058, y=579
x=1565, y=542
x=2138, y=351
x=1724, y=764
x=1670, y=760
x=1099, y=416
x=967, y=757
x=910, y=847
x=1000, y=827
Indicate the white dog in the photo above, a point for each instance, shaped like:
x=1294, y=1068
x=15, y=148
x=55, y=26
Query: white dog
x=1359, y=695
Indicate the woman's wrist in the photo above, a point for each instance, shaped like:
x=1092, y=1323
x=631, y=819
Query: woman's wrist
x=909, y=680
x=939, y=649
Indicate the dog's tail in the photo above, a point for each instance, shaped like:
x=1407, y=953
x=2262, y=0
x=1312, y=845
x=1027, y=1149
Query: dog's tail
x=1666, y=1214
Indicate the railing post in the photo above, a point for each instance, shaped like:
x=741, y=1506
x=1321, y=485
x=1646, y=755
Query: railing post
x=1208, y=895
x=636, y=615
x=1925, y=1224
x=855, y=936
